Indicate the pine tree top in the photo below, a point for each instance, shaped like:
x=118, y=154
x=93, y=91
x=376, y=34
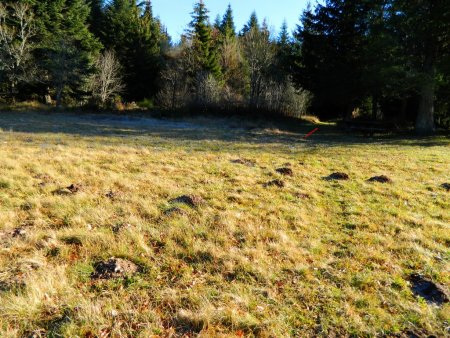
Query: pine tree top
x=284, y=37
x=227, y=26
x=252, y=23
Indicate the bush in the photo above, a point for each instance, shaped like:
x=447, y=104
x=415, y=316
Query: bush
x=146, y=104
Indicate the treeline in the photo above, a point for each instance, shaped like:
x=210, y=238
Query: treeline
x=76, y=52
x=378, y=59
x=386, y=58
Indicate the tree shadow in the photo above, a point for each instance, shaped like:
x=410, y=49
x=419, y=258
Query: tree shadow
x=201, y=129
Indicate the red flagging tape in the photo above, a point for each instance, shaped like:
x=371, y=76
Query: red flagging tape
x=310, y=133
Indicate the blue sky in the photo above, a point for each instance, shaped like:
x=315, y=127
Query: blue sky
x=175, y=14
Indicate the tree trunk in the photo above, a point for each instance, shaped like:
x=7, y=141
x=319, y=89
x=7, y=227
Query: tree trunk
x=58, y=98
x=348, y=115
x=13, y=94
x=402, y=115
x=174, y=93
x=425, y=115
x=374, y=107
x=48, y=97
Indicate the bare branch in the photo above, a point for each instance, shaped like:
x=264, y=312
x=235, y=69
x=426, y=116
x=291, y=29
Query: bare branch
x=108, y=81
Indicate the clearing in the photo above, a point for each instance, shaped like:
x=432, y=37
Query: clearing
x=136, y=227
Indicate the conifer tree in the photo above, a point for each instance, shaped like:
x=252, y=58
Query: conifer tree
x=330, y=62
x=227, y=26
x=136, y=37
x=68, y=49
x=283, y=37
x=284, y=50
x=424, y=31
x=252, y=23
x=200, y=33
x=217, y=23
x=96, y=17
x=372, y=53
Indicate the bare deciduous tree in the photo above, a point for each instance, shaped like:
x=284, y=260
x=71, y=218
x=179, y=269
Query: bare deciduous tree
x=107, y=82
x=234, y=71
x=175, y=78
x=16, y=31
x=282, y=96
x=260, y=56
x=208, y=90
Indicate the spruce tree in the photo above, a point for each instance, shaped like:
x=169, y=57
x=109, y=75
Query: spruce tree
x=96, y=17
x=284, y=50
x=227, y=26
x=330, y=63
x=68, y=49
x=424, y=34
x=136, y=37
x=251, y=24
x=204, y=49
x=217, y=23
x=283, y=37
x=148, y=53
x=376, y=55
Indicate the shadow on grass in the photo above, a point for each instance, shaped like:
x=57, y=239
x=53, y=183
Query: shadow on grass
x=287, y=132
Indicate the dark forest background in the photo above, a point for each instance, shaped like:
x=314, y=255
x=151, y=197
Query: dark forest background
x=386, y=60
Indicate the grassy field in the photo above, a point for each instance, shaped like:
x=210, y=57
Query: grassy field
x=315, y=258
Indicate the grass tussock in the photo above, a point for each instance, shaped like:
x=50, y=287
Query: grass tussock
x=313, y=257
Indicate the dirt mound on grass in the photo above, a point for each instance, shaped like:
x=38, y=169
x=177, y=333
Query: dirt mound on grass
x=275, y=183
x=244, y=161
x=192, y=201
x=175, y=211
x=112, y=195
x=114, y=268
x=120, y=226
x=44, y=180
x=70, y=190
x=74, y=188
x=338, y=176
x=415, y=334
x=380, y=179
x=17, y=283
x=285, y=171
x=19, y=232
x=427, y=289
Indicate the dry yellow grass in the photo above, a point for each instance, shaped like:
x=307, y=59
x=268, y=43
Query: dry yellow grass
x=315, y=258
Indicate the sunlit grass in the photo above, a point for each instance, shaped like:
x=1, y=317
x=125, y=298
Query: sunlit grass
x=315, y=258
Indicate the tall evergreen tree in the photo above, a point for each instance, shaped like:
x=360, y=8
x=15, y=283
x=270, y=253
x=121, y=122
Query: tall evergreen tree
x=227, y=26
x=424, y=29
x=283, y=37
x=265, y=27
x=136, y=37
x=252, y=23
x=330, y=62
x=204, y=49
x=149, y=53
x=217, y=23
x=68, y=48
x=284, y=50
x=96, y=17
x=375, y=53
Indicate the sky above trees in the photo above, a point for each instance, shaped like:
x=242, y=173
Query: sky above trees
x=175, y=14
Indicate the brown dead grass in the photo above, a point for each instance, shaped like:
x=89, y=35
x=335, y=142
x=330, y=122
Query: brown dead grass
x=254, y=260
